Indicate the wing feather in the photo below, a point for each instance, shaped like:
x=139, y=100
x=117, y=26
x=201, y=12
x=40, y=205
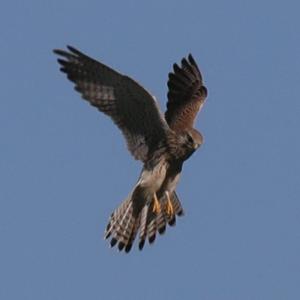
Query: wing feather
x=129, y=105
x=186, y=95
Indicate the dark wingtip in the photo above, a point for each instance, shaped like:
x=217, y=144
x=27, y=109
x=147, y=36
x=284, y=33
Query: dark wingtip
x=75, y=51
x=192, y=61
x=176, y=68
x=184, y=62
x=191, y=58
x=72, y=49
x=59, y=52
x=62, y=61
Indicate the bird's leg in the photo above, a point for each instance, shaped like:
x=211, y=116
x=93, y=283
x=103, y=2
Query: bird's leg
x=169, y=208
x=156, y=205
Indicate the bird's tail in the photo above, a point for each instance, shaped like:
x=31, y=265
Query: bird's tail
x=152, y=222
x=136, y=213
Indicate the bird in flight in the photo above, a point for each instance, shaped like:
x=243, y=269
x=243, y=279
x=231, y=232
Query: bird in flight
x=161, y=142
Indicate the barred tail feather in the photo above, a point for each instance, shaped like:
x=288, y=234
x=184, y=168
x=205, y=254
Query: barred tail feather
x=136, y=214
x=115, y=216
x=132, y=235
x=153, y=223
x=143, y=228
x=125, y=221
x=123, y=226
x=178, y=210
x=177, y=205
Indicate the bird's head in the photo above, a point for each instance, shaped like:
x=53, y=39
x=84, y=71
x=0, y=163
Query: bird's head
x=194, y=139
x=188, y=142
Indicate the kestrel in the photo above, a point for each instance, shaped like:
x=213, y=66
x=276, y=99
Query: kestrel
x=162, y=143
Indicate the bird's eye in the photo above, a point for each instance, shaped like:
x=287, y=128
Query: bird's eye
x=190, y=139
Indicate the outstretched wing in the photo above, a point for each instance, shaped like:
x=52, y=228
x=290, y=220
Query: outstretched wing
x=186, y=95
x=130, y=106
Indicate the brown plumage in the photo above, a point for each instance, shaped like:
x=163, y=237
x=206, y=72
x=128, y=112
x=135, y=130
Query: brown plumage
x=161, y=143
x=186, y=95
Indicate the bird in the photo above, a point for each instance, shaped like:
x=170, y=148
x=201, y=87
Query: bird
x=162, y=142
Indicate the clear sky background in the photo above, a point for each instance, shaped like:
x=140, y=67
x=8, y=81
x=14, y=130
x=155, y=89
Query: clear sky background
x=64, y=166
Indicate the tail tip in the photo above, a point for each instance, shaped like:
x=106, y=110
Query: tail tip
x=121, y=246
x=113, y=242
x=141, y=244
x=128, y=247
x=162, y=229
x=152, y=238
x=172, y=221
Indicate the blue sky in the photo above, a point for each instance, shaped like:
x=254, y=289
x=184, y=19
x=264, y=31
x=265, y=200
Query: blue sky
x=64, y=166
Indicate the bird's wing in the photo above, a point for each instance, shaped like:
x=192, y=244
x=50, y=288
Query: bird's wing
x=129, y=105
x=186, y=95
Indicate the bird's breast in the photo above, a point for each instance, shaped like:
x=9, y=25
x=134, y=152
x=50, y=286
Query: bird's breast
x=152, y=178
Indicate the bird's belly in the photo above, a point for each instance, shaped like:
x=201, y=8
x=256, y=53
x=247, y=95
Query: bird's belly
x=152, y=179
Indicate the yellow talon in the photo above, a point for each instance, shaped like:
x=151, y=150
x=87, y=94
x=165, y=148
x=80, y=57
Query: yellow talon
x=169, y=208
x=156, y=205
